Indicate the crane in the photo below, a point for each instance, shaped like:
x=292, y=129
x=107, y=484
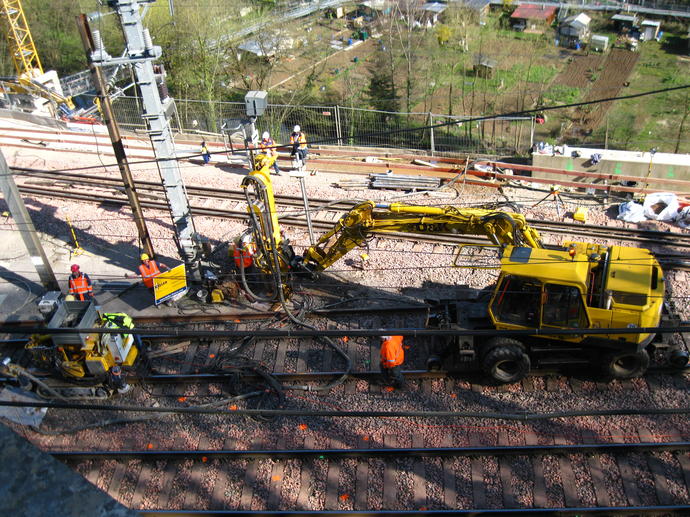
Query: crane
x=31, y=79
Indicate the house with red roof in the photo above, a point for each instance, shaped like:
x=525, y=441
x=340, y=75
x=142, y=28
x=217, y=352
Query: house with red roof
x=533, y=18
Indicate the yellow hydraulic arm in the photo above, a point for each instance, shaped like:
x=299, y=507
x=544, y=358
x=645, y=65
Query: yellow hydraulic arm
x=354, y=228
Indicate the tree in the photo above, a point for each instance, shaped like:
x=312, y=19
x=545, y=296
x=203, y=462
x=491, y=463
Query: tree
x=443, y=34
x=382, y=92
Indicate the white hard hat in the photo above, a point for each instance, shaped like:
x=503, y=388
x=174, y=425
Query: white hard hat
x=384, y=338
x=296, y=129
x=265, y=136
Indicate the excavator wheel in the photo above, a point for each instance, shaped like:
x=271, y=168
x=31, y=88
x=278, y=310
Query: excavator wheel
x=625, y=365
x=506, y=361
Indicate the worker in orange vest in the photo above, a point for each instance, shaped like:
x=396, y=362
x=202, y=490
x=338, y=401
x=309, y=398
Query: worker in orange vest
x=299, y=147
x=392, y=358
x=268, y=148
x=148, y=270
x=243, y=255
x=80, y=284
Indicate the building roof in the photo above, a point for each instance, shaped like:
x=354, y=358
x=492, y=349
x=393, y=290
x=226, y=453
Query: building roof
x=624, y=18
x=600, y=38
x=580, y=21
x=480, y=59
x=534, y=12
x=476, y=4
x=651, y=23
x=434, y=7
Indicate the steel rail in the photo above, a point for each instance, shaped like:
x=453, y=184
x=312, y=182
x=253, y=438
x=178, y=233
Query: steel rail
x=508, y=450
x=560, y=512
x=633, y=235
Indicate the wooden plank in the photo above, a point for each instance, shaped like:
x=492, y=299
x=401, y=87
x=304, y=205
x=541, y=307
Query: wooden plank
x=218, y=496
x=596, y=471
x=188, y=364
x=305, y=476
x=506, y=474
x=276, y=481
x=656, y=467
x=478, y=488
x=332, y=484
x=450, y=495
x=539, y=490
x=567, y=482
x=94, y=471
x=116, y=480
x=390, y=488
x=281, y=354
x=169, y=475
x=576, y=385
x=249, y=480
x=419, y=475
x=628, y=475
x=361, y=477
x=528, y=384
x=374, y=360
x=552, y=383
x=196, y=475
x=142, y=483
x=684, y=461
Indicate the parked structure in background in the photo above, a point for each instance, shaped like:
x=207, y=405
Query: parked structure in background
x=599, y=43
x=574, y=32
x=533, y=18
x=650, y=29
x=624, y=23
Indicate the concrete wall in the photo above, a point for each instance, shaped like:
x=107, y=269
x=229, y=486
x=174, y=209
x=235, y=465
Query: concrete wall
x=624, y=163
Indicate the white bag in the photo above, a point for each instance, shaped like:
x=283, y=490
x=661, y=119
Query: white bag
x=631, y=212
x=667, y=198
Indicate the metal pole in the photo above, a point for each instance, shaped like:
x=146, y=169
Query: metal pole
x=431, y=134
x=115, y=138
x=338, y=127
x=26, y=227
x=302, y=186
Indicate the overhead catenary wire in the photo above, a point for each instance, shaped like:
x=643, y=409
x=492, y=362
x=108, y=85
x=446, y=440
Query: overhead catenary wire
x=415, y=129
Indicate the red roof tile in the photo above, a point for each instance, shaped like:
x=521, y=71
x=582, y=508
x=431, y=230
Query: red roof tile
x=533, y=12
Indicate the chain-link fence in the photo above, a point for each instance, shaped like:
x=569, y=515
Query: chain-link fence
x=346, y=126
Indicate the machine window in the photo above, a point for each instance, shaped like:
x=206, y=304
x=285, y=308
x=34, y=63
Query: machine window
x=563, y=307
x=629, y=298
x=517, y=301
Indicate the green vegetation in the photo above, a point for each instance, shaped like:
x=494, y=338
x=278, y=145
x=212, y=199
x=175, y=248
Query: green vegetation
x=561, y=94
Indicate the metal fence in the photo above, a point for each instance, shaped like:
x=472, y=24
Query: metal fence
x=347, y=126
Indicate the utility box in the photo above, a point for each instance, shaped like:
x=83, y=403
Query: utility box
x=75, y=315
x=255, y=103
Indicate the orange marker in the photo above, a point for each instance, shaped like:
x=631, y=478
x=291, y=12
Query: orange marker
x=232, y=408
x=275, y=478
x=345, y=339
x=149, y=446
x=181, y=399
x=344, y=497
x=212, y=355
x=302, y=427
x=204, y=459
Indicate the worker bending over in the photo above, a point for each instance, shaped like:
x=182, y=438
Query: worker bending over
x=392, y=358
x=148, y=270
x=243, y=254
x=80, y=285
x=267, y=146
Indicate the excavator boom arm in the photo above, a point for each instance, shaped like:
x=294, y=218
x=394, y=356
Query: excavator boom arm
x=367, y=218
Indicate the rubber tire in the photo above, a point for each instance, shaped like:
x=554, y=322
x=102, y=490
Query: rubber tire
x=506, y=362
x=625, y=365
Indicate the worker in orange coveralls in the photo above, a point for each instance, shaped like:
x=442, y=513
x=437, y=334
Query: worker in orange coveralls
x=149, y=269
x=392, y=358
x=80, y=284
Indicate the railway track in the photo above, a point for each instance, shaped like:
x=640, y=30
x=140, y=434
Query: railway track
x=394, y=473
x=230, y=204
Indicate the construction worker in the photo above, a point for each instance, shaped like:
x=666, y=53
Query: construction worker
x=148, y=270
x=204, y=152
x=299, y=146
x=243, y=255
x=392, y=358
x=267, y=146
x=80, y=285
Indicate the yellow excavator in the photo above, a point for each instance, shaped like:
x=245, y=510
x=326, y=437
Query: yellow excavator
x=576, y=286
